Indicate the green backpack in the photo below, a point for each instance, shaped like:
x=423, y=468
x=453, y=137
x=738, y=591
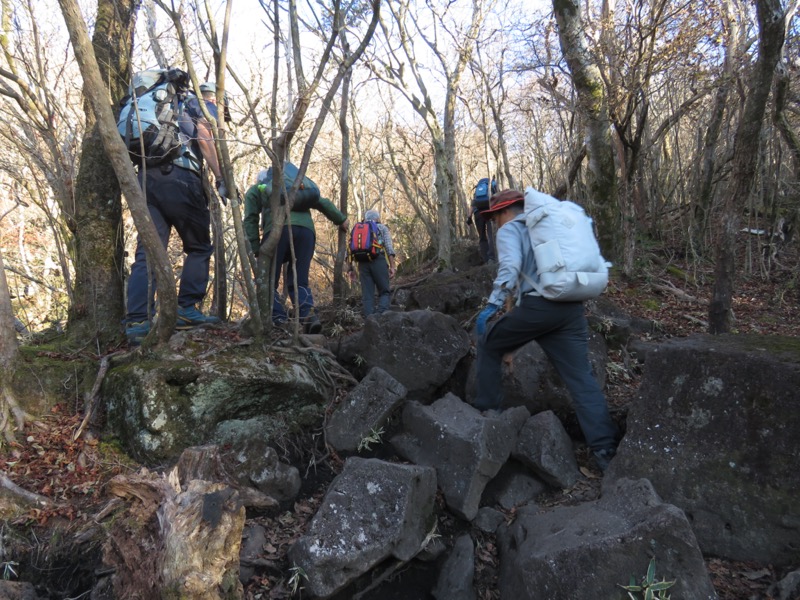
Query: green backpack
x=307, y=196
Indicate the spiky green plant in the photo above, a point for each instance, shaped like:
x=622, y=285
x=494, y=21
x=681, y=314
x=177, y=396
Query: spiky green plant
x=374, y=437
x=649, y=588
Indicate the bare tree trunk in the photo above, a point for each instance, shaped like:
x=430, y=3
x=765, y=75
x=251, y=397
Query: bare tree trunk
x=339, y=280
x=705, y=195
x=95, y=91
x=593, y=105
x=771, y=19
x=98, y=304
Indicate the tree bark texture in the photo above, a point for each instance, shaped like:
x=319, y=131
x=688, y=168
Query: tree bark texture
x=771, y=19
x=593, y=106
x=98, y=304
x=705, y=196
x=175, y=541
x=97, y=94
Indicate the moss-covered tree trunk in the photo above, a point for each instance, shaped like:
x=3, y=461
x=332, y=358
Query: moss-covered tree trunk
x=771, y=19
x=98, y=303
x=593, y=105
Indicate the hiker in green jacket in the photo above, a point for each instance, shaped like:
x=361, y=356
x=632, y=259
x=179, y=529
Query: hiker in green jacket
x=257, y=226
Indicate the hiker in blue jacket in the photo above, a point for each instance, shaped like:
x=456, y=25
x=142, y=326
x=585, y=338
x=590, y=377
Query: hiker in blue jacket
x=560, y=328
x=176, y=199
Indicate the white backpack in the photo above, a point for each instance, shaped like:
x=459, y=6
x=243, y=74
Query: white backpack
x=568, y=260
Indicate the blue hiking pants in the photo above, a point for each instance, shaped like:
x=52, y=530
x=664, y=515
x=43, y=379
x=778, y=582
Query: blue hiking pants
x=176, y=200
x=374, y=275
x=561, y=330
x=299, y=291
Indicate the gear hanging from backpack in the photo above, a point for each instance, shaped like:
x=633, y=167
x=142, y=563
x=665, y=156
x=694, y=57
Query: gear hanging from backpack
x=569, y=266
x=149, y=118
x=366, y=242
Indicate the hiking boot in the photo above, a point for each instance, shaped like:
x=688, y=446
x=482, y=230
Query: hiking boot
x=602, y=458
x=136, y=332
x=312, y=324
x=189, y=316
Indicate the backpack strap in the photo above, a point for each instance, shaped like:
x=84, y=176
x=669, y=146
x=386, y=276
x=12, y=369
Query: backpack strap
x=187, y=159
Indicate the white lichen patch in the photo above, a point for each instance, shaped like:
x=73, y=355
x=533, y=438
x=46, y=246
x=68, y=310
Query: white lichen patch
x=713, y=386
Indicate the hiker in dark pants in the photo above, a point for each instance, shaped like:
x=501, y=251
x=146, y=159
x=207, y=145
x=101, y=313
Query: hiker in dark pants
x=376, y=274
x=175, y=199
x=560, y=328
x=485, y=236
x=304, y=237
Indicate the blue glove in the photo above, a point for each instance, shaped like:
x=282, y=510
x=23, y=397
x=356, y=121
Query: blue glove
x=486, y=314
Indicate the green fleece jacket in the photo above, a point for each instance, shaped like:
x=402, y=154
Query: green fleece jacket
x=258, y=216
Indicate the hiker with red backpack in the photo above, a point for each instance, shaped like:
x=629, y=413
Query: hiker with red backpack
x=372, y=249
x=547, y=306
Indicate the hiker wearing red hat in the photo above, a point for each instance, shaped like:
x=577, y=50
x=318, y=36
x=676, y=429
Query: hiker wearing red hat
x=560, y=328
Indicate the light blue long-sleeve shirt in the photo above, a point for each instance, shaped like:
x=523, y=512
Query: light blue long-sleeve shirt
x=514, y=257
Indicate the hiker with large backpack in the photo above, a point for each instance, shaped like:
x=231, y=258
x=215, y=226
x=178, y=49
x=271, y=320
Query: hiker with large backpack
x=170, y=140
x=546, y=267
x=484, y=189
x=258, y=224
x=371, y=248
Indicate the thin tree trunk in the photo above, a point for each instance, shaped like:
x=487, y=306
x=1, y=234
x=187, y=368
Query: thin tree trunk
x=95, y=91
x=702, y=208
x=771, y=21
x=593, y=105
x=339, y=281
x=98, y=304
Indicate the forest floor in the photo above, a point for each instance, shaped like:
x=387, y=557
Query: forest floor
x=47, y=461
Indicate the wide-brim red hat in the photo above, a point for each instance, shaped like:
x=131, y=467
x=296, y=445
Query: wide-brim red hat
x=503, y=200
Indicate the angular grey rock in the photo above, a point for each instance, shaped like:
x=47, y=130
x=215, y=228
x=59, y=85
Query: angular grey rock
x=585, y=552
x=513, y=486
x=714, y=427
x=488, y=519
x=466, y=448
x=254, y=537
x=420, y=349
x=458, y=572
x=788, y=588
x=256, y=464
x=544, y=446
x=372, y=511
x=365, y=409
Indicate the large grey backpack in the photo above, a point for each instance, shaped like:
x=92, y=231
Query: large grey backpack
x=148, y=121
x=569, y=266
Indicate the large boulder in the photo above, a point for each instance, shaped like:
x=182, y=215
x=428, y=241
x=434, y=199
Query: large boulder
x=372, y=511
x=420, y=349
x=466, y=448
x=587, y=551
x=452, y=293
x=714, y=427
x=165, y=402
